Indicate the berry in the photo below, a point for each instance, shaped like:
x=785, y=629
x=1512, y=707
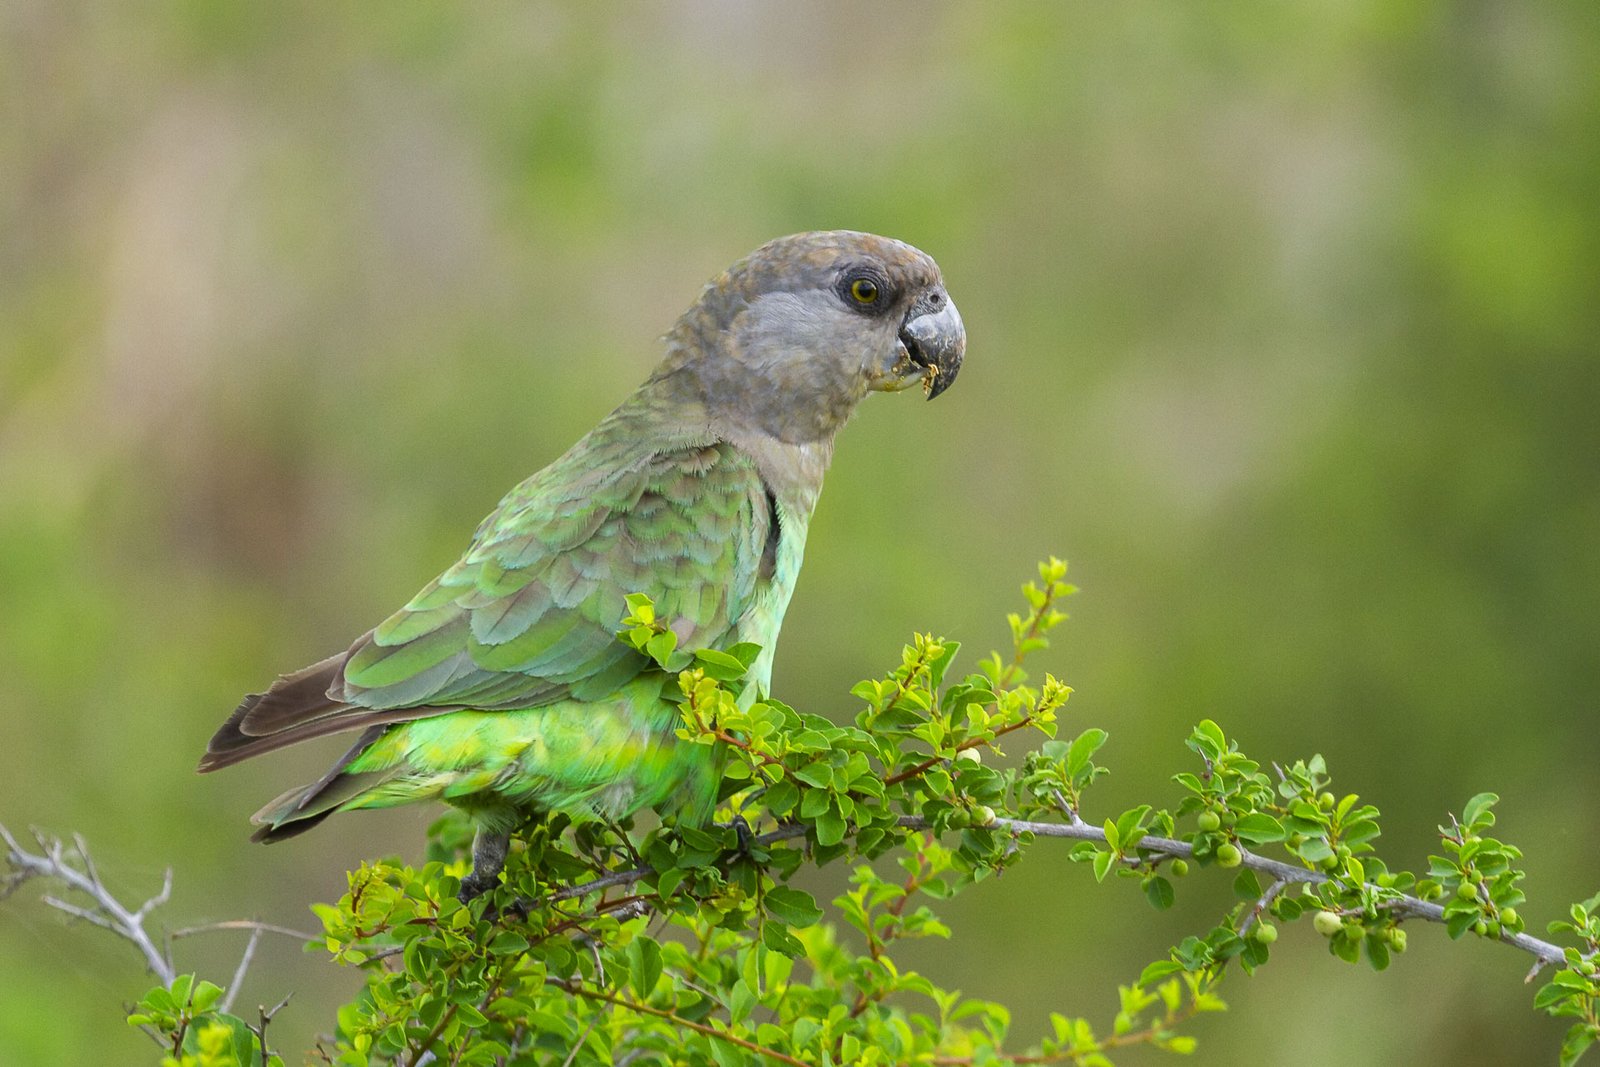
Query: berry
x=1510, y=918
x=1179, y=868
x=1325, y=801
x=1327, y=923
x=970, y=755
x=1209, y=821
x=982, y=815
x=1228, y=855
x=1397, y=939
x=1265, y=933
x=1467, y=891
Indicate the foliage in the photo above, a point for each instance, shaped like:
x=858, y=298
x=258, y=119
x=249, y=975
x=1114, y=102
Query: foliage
x=693, y=945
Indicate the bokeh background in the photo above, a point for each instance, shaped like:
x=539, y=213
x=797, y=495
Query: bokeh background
x=1283, y=325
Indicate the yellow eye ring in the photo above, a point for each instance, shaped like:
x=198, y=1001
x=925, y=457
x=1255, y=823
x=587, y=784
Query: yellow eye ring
x=864, y=290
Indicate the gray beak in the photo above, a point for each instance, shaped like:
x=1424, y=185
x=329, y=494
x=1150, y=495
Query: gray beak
x=935, y=339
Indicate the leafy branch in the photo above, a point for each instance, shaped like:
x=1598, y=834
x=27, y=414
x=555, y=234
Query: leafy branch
x=689, y=944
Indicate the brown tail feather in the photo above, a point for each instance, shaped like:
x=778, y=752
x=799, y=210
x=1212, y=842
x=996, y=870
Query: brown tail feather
x=297, y=707
x=226, y=751
x=300, y=809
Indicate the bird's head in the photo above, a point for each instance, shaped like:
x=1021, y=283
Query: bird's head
x=789, y=339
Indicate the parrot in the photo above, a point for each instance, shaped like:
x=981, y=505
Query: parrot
x=503, y=688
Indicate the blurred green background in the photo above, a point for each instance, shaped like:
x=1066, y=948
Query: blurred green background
x=1283, y=329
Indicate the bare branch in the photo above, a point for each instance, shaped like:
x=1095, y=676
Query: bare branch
x=78, y=872
x=238, y=972
x=244, y=924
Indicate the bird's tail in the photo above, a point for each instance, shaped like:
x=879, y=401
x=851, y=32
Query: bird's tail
x=305, y=806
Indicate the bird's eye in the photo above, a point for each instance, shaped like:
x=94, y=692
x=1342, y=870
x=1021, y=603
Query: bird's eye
x=864, y=291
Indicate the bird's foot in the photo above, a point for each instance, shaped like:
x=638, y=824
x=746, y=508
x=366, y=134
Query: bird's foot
x=741, y=830
x=488, y=860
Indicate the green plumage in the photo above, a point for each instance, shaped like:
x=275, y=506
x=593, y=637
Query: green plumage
x=501, y=687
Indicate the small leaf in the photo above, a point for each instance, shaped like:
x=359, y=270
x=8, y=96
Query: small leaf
x=792, y=906
x=1159, y=892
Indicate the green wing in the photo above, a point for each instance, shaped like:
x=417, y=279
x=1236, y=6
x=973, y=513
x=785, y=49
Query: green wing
x=530, y=613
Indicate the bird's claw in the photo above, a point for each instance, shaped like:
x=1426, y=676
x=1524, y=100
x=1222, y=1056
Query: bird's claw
x=741, y=830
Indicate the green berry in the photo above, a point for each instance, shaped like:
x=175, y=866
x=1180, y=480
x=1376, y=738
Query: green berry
x=1326, y=801
x=1327, y=923
x=1510, y=918
x=1397, y=939
x=1481, y=928
x=970, y=755
x=1179, y=868
x=1467, y=891
x=1209, y=821
x=1330, y=863
x=982, y=815
x=1492, y=930
x=1228, y=855
x=1265, y=933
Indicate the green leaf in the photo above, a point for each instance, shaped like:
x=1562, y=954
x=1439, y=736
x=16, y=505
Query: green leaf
x=1159, y=892
x=660, y=647
x=1477, y=808
x=644, y=965
x=1102, y=864
x=778, y=939
x=1158, y=970
x=1083, y=748
x=1577, y=1042
x=830, y=827
x=792, y=906
x=508, y=943
x=1259, y=828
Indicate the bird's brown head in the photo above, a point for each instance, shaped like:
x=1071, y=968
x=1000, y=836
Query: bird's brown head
x=790, y=338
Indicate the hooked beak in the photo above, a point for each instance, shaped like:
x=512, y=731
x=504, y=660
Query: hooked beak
x=936, y=341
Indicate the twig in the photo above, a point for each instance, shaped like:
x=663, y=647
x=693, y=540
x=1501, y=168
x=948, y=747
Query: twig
x=1407, y=907
x=749, y=1046
x=1262, y=905
x=52, y=861
x=244, y=924
x=238, y=972
x=265, y=1014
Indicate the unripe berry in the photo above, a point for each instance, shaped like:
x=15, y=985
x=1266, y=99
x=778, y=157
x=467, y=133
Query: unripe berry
x=1265, y=933
x=1481, y=928
x=1492, y=930
x=1330, y=863
x=982, y=815
x=1228, y=855
x=1327, y=923
x=1510, y=918
x=1209, y=821
x=1467, y=891
x=1179, y=868
x=1397, y=940
x=971, y=755
x=1326, y=801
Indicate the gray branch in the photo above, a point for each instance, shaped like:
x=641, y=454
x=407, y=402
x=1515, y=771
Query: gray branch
x=77, y=871
x=75, y=868
x=1282, y=874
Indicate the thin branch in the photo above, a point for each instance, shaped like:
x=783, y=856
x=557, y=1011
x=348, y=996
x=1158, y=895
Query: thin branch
x=79, y=874
x=1404, y=907
x=676, y=1020
x=265, y=1014
x=238, y=972
x=1262, y=905
x=244, y=924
